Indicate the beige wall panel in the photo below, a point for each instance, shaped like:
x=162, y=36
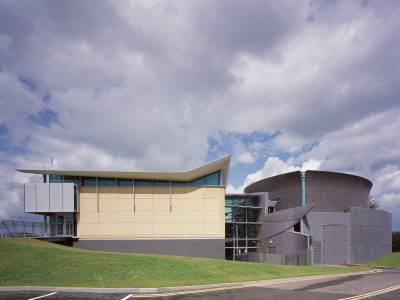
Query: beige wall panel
x=144, y=204
x=195, y=216
x=195, y=228
x=143, y=192
x=88, y=192
x=162, y=228
x=126, y=191
x=161, y=216
x=212, y=204
x=106, y=204
x=212, y=216
x=106, y=192
x=143, y=229
x=160, y=192
x=179, y=192
x=88, y=229
x=107, y=229
x=195, y=192
x=144, y=216
x=195, y=204
x=125, y=216
x=87, y=204
x=179, y=229
x=212, y=228
x=191, y=215
x=125, y=229
x=214, y=192
x=88, y=217
x=123, y=204
x=179, y=216
x=106, y=217
x=179, y=204
x=160, y=204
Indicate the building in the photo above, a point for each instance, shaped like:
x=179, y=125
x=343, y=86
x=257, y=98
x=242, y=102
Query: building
x=176, y=213
x=322, y=214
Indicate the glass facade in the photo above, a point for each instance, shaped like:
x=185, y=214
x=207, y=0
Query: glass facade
x=212, y=179
x=241, y=220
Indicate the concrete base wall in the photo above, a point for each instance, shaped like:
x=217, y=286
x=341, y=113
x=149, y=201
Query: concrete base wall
x=207, y=248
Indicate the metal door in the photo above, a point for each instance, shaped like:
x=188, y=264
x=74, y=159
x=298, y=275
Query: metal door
x=334, y=244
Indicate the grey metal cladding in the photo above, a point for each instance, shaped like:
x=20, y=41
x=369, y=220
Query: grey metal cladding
x=42, y=197
x=331, y=191
x=282, y=220
x=30, y=197
x=56, y=197
x=68, y=197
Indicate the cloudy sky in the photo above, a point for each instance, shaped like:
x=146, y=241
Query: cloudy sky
x=170, y=85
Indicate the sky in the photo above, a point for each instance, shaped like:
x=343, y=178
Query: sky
x=171, y=85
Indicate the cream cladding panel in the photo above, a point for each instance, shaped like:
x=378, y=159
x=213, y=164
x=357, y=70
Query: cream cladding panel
x=152, y=212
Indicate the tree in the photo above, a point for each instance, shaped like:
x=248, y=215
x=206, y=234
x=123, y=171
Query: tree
x=373, y=203
x=395, y=241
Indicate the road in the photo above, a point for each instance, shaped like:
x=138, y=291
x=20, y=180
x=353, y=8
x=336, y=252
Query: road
x=324, y=287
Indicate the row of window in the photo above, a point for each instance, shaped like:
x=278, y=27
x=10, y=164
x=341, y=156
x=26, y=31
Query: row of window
x=209, y=180
x=241, y=214
x=241, y=200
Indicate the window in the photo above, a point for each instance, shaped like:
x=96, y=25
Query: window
x=56, y=178
x=210, y=179
x=142, y=182
x=89, y=181
x=106, y=181
x=198, y=182
x=125, y=182
x=177, y=183
x=161, y=183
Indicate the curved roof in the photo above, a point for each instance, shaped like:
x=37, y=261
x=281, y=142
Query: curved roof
x=270, y=183
x=219, y=164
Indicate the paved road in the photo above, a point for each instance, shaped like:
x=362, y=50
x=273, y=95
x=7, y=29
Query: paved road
x=331, y=288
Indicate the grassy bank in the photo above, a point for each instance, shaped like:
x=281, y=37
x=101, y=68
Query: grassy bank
x=390, y=260
x=32, y=262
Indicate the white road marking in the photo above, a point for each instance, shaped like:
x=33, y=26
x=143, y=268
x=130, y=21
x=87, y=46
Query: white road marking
x=43, y=296
x=127, y=297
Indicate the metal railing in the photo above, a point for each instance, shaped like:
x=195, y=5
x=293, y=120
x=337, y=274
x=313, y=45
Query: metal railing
x=303, y=258
x=14, y=229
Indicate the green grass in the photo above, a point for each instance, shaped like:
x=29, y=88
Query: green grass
x=37, y=263
x=390, y=260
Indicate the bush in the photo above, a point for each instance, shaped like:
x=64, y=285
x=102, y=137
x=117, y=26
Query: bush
x=395, y=241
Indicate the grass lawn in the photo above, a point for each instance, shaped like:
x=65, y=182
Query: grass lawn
x=390, y=260
x=37, y=263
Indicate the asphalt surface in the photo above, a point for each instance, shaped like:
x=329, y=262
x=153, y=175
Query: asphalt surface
x=325, y=288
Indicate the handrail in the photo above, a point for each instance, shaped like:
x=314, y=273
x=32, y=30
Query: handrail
x=35, y=229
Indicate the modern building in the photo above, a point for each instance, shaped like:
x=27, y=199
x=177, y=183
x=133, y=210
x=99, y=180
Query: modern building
x=323, y=214
x=176, y=213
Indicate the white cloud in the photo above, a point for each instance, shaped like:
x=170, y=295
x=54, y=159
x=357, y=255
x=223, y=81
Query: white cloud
x=150, y=88
x=245, y=157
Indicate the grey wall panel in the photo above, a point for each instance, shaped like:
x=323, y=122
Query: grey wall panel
x=42, y=197
x=30, y=197
x=316, y=220
x=371, y=232
x=207, y=248
x=288, y=242
x=56, y=197
x=68, y=197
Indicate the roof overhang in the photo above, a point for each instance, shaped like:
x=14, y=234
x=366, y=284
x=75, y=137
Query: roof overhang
x=217, y=165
